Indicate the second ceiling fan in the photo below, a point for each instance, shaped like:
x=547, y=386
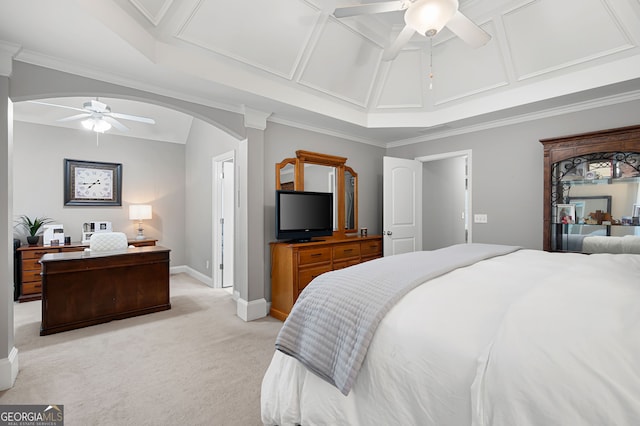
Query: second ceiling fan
x=426, y=17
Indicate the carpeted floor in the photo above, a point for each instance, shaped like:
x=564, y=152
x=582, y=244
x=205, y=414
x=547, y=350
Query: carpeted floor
x=195, y=364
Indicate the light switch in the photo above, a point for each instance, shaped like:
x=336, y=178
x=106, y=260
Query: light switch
x=480, y=218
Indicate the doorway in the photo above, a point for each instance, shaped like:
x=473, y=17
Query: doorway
x=443, y=218
x=446, y=199
x=223, y=220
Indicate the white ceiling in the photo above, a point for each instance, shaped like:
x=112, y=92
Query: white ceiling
x=292, y=58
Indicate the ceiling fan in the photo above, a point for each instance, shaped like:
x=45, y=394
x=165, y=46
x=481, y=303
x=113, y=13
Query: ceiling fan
x=97, y=116
x=426, y=17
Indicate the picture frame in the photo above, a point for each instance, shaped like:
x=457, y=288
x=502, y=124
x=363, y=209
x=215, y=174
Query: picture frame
x=636, y=210
x=92, y=183
x=566, y=213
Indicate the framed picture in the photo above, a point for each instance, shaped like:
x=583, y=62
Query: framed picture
x=92, y=183
x=566, y=213
x=636, y=210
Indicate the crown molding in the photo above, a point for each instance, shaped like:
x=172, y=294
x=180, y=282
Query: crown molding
x=523, y=118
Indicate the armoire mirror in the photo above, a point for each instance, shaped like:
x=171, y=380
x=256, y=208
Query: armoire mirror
x=312, y=171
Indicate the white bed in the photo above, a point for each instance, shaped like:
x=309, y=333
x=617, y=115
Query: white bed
x=528, y=338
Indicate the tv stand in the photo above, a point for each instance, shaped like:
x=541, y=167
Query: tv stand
x=295, y=264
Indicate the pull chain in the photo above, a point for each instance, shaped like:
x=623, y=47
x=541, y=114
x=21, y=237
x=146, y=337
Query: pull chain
x=430, y=63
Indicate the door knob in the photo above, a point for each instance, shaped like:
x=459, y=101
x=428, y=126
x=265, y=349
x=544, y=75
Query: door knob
x=389, y=233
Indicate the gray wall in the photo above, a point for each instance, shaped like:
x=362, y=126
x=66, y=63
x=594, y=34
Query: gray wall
x=152, y=173
x=204, y=143
x=507, y=168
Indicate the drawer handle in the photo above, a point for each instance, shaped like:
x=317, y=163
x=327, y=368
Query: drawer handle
x=316, y=254
x=346, y=250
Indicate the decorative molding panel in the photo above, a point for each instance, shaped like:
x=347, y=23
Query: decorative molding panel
x=270, y=36
x=574, y=32
x=460, y=71
x=343, y=63
x=404, y=81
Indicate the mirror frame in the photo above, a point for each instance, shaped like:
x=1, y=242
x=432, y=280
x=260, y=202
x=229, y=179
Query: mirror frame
x=304, y=157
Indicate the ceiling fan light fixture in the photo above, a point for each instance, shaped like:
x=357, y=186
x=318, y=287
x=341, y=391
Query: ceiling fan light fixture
x=98, y=125
x=428, y=17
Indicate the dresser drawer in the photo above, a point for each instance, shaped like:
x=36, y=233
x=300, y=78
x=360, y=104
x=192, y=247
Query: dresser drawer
x=305, y=276
x=345, y=251
x=314, y=255
x=32, y=288
x=344, y=264
x=368, y=248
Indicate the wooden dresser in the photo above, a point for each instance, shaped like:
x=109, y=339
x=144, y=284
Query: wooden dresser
x=30, y=282
x=294, y=265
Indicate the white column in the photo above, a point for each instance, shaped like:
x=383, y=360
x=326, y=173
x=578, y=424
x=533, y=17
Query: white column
x=8, y=353
x=250, y=257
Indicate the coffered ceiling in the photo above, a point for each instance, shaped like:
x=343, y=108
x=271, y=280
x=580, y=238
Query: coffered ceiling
x=292, y=58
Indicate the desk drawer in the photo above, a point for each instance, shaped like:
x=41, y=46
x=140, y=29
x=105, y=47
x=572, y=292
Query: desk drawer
x=37, y=254
x=371, y=248
x=314, y=255
x=32, y=288
x=31, y=265
x=31, y=276
x=344, y=251
x=305, y=276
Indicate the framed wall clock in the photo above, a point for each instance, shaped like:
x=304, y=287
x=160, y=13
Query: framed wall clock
x=92, y=183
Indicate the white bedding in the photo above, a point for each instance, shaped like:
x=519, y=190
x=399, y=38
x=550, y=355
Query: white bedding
x=430, y=348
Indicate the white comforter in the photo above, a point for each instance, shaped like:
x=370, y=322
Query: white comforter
x=467, y=331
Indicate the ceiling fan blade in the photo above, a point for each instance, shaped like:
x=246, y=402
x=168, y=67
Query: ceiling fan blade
x=403, y=38
x=469, y=32
x=131, y=117
x=364, y=9
x=75, y=117
x=56, y=105
x=115, y=123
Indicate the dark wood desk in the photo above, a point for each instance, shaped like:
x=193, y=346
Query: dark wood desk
x=80, y=289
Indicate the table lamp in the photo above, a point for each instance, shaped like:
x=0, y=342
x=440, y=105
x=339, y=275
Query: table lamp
x=140, y=212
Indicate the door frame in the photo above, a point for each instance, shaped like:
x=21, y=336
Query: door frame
x=216, y=251
x=467, y=153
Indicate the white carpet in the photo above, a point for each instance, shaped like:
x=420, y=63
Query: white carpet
x=195, y=364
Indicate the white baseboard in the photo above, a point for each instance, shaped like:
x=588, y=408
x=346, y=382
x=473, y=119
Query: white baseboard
x=9, y=370
x=252, y=310
x=192, y=273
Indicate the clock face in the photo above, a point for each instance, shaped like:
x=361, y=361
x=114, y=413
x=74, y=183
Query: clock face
x=93, y=184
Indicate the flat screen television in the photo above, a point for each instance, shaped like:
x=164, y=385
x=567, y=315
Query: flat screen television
x=302, y=215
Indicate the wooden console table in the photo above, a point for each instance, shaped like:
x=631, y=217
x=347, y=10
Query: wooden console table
x=294, y=265
x=80, y=289
x=29, y=282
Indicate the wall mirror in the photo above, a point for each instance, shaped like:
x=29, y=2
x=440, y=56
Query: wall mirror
x=312, y=171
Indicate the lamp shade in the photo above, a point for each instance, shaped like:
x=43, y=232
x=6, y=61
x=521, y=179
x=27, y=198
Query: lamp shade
x=428, y=17
x=139, y=211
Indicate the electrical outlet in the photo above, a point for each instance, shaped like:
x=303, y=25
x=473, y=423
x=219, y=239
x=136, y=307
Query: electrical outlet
x=480, y=218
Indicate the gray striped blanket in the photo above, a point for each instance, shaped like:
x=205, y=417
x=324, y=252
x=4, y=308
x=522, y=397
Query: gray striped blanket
x=333, y=321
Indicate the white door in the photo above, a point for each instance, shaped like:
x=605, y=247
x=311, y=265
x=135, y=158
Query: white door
x=401, y=206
